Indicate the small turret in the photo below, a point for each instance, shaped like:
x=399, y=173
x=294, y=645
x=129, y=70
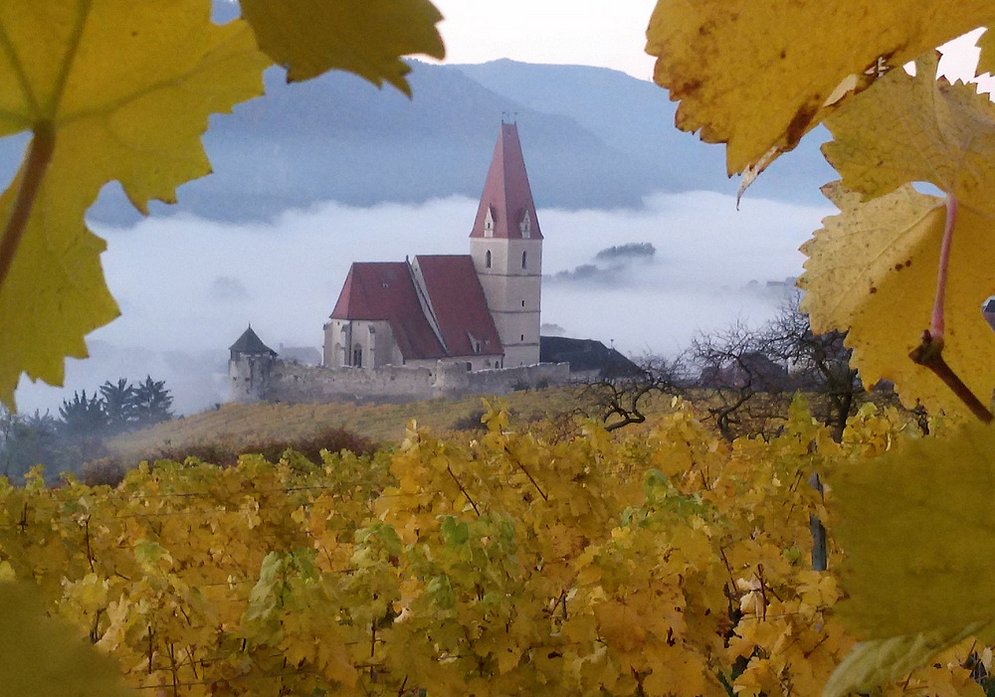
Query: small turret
x=249, y=367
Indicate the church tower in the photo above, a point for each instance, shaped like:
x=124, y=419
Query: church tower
x=506, y=246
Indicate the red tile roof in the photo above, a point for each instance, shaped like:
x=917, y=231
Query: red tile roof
x=506, y=192
x=459, y=304
x=385, y=291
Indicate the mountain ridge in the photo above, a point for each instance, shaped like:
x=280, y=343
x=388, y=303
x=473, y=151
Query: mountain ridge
x=593, y=138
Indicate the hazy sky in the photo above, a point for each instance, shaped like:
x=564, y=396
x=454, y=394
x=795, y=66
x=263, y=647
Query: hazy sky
x=585, y=32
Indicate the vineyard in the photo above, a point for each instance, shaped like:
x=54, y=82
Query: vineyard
x=667, y=562
x=529, y=557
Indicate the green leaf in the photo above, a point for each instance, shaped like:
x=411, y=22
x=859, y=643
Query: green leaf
x=873, y=663
x=41, y=657
x=915, y=526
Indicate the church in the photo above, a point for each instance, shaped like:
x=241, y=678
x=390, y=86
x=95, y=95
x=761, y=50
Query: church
x=479, y=309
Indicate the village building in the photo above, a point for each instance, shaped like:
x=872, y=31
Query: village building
x=481, y=309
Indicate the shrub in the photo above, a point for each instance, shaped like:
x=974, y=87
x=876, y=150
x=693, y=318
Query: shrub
x=471, y=422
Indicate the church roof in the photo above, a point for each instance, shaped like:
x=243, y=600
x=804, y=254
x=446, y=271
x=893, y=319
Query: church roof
x=384, y=291
x=250, y=343
x=507, y=196
x=459, y=304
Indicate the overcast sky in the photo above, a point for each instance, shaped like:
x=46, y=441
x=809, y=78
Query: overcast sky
x=582, y=32
x=585, y=32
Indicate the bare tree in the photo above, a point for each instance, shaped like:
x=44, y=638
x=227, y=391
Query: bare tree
x=620, y=400
x=746, y=379
x=818, y=364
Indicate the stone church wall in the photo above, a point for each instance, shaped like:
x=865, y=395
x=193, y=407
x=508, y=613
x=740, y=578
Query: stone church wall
x=294, y=382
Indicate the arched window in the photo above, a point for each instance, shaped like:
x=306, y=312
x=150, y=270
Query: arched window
x=487, y=259
x=524, y=259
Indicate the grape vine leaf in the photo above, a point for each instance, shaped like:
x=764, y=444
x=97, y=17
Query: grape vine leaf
x=871, y=664
x=111, y=90
x=872, y=268
x=915, y=526
x=986, y=62
x=812, y=55
x=917, y=129
x=40, y=656
x=366, y=37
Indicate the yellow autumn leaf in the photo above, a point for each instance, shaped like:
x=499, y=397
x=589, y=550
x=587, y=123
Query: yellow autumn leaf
x=917, y=129
x=915, y=526
x=986, y=62
x=874, y=663
x=762, y=94
x=872, y=270
x=366, y=37
x=111, y=90
x=41, y=657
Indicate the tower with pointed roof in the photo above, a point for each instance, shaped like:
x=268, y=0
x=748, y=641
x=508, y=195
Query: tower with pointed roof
x=506, y=247
x=249, y=367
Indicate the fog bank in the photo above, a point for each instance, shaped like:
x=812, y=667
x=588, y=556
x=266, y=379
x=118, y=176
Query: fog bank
x=188, y=287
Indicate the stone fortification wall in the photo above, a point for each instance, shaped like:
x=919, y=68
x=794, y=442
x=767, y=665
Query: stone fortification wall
x=293, y=382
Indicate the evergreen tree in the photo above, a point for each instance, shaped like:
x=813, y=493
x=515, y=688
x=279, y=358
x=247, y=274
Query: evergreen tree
x=152, y=402
x=83, y=417
x=119, y=405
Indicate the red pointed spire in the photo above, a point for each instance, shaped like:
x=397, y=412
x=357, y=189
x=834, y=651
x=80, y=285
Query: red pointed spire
x=506, y=206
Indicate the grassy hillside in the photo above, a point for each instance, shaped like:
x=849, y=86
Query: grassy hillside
x=237, y=425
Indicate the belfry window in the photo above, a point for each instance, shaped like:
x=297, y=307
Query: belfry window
x=525, y=260
x=487, y=259
x=489, y=223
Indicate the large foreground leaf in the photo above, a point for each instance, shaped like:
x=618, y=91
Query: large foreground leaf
x=915, y=525
x=40, y=657
x=366, y=37
x=871, y=664
x=114, y=90
x=917, y=129
x=872, y=270
x=757, y=74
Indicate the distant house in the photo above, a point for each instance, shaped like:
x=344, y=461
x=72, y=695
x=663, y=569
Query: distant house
x=588, y=359
x=752, y=369
x=481, y=309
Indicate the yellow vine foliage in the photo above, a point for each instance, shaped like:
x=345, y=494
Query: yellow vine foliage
x=664, y=564
x=907, y=521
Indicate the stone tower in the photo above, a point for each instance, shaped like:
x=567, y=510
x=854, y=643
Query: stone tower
x=506, y=246
x=249, y=367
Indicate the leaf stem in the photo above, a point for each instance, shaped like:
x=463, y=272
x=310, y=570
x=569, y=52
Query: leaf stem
x=937, y=323
x=32, y=174
x=930, y=354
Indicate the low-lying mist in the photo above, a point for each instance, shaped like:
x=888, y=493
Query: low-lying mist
x=188, y=287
